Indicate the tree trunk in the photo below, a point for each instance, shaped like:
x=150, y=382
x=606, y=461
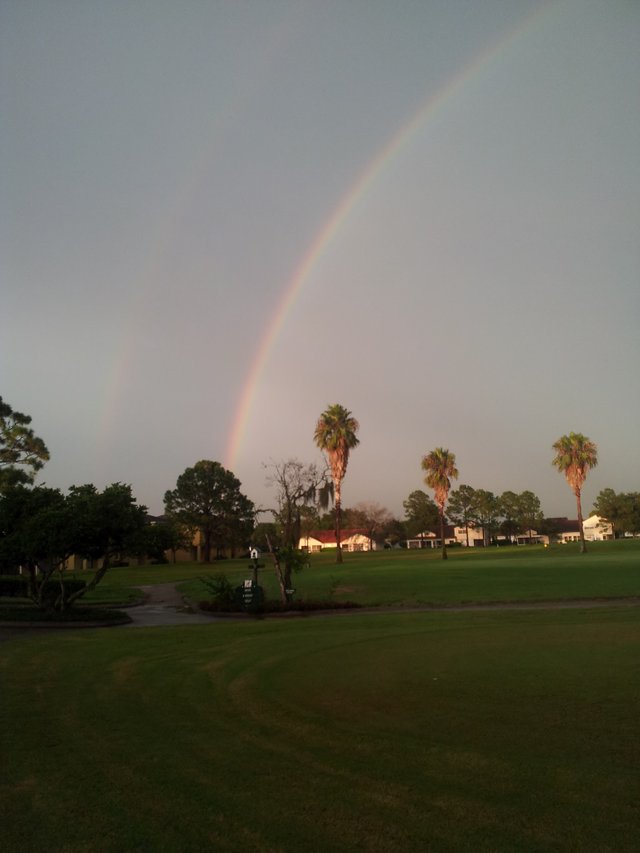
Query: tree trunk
x=338, y=523
x=276, y=563
x=206, y=544
x=583, y=544
x=444, y=547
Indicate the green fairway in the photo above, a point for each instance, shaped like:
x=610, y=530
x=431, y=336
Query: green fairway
x=494, y=731
x=610, y=569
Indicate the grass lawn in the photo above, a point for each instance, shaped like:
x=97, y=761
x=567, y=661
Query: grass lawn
x=609, y=569
x=395, y=732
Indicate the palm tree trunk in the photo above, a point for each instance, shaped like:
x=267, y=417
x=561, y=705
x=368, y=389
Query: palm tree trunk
x=338, y=524
x=444, y=547
x=338, y=531
x=583, y=544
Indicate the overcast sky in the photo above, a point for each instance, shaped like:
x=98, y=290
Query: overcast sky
x=446, y=192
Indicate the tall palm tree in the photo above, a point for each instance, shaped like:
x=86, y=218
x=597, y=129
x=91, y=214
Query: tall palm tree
x=336, y=435
x=575, y=456
x=440, y=466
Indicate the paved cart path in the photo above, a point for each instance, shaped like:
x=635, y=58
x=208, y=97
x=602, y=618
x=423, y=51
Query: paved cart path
x=164, y=606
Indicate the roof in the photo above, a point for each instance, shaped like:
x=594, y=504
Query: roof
x=449, y=533
x=326, y=536
x=565, y=525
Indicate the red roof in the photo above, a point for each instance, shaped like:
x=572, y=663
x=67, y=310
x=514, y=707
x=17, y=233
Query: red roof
x=329, y=536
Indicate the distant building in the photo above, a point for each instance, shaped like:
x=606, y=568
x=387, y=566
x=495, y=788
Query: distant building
x=352, y=539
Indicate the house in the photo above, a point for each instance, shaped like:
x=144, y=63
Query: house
x=476, y=536
x=352, y=539
x=597, y=529
x=430, y=539
x=531, y=537
x=567, y=529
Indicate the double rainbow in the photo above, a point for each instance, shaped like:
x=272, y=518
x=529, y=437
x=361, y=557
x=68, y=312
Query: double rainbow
x=426, y=112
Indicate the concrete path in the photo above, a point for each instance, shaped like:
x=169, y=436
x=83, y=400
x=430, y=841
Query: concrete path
x=164, y=606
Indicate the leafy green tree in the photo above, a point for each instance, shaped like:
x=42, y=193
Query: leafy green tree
x=575, y=456
x=421, y=513
x=440, y=465
x=41, y=529
x=161, y=536
x=207, y=498
x=631, y=519
x=508, y=507
x=621, y=510
x=326, y=521
x=23, y=537
x=486, y=513
x=529, y=512
x=335, y=435
x=22, y=453
x=395, y=533
x=461, y=507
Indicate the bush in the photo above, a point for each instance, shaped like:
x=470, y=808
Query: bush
x=76, y=614
x=221, y=590
x=51, y=589
x=13, y=586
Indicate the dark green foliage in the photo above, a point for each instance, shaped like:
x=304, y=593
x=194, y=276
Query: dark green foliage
x=13, y=586
x=461, y=507
x=77, y=614
x=41, y=529
x=421, y=513
x=621, y=510
x=52, y=589
x=486, y=513
x=22, y=454
x=222, y=591
x=207, y=498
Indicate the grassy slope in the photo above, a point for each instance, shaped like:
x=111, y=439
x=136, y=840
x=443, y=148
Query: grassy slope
x=494, y=731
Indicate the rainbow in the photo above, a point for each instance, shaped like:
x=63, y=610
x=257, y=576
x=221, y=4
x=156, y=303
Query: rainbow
x=426, y=112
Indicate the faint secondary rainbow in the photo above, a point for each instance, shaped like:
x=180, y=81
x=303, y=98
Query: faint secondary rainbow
x=426, y=112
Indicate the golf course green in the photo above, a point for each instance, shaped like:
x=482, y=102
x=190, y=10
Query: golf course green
x=502, y=730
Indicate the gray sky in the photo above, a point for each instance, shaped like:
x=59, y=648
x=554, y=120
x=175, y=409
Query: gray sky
x=447, y=193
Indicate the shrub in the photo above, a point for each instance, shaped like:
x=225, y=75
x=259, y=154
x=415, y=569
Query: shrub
x=220, y=588
x=76, y=614
x=13, y=586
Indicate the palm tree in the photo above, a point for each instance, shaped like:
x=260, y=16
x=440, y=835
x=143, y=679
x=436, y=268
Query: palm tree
x=336, y=435
x=440, y=466
x=575, y=456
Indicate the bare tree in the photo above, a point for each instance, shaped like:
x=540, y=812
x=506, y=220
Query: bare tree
x=374, y=518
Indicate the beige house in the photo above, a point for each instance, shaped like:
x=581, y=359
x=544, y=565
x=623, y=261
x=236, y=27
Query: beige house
x=476, y=536
x=355, y=539
x=595, y=528
x=430, y=539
